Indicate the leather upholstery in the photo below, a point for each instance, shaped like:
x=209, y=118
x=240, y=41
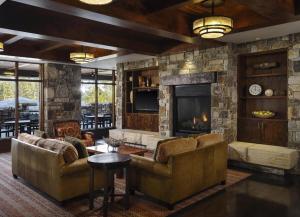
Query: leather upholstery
x=47, y=171
x=184, y=174
x=172, y=147
x=72, y=128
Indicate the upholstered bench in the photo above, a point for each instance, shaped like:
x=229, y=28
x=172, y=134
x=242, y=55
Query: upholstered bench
x=281, y=158
x=139, y=137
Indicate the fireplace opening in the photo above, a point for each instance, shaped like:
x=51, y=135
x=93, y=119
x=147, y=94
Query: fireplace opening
x=192, y=109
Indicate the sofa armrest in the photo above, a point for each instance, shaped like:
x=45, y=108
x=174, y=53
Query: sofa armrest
x=80, y=165
x=151, y=166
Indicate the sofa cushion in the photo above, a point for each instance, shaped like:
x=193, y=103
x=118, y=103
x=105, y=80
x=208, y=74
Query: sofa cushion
x=273, y=156
x=30, y=139
x=239, y=150
x=67, y=150
x=79, y=145
x=167, y=148
x=208, y=139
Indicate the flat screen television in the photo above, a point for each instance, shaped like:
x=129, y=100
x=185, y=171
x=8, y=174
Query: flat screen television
x=147, y=101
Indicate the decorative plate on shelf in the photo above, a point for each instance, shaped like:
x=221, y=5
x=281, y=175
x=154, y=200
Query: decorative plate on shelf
x=263, y=114
x=255, y=89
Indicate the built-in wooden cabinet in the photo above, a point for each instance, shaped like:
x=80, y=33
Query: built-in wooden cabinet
x=269, y=70
x=141, y=93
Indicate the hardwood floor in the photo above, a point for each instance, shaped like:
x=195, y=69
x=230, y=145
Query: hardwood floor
x=262, y=195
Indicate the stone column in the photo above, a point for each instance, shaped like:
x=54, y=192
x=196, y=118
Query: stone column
x=62, y=94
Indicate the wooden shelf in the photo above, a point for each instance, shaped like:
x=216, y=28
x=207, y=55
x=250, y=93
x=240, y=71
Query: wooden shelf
x=270, y=131
x=145, y=88
x=266, y=75
x=263, y=97
x=264, y=119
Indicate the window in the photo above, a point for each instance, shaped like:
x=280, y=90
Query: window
x=97, y=97
x=20, y=85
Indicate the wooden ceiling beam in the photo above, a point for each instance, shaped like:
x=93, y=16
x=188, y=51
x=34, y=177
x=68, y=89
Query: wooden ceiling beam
x=109, y=20
x=2, y=1
x=20, y=20
x=13, y=40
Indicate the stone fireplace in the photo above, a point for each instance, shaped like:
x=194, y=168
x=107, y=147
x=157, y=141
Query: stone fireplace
x=192, y=109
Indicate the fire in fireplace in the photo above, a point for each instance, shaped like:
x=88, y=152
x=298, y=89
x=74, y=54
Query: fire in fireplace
x=192, y=108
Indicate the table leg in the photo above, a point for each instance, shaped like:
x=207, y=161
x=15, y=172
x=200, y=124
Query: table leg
x=106, y=193
x=112, y=187
x=127, y=188
x=92, y=174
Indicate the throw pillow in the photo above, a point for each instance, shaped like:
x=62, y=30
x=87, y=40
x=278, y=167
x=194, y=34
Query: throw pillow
x=67, y=150
x=30, y=139
x=79, y=145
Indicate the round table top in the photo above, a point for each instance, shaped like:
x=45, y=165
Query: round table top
x=109, y=160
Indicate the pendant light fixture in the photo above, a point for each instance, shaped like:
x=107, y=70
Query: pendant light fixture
x=212, y=26
x=1, y=47
x=97, y=2
x=81, y=57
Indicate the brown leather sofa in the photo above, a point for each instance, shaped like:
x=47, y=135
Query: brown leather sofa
x=72, y=128
x=48, y=171
x=181, y=168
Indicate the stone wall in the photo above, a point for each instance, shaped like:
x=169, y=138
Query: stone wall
x=62, y=94
x=223, y=60
x=224, y=103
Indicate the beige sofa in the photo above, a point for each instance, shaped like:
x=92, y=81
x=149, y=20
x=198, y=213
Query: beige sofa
x=47, y=170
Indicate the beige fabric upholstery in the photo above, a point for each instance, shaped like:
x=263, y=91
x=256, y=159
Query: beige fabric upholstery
x=31, y=139
x=67, y=150
x=273, y=156
x=265, y=155
x=146, y=138
x=239, y=150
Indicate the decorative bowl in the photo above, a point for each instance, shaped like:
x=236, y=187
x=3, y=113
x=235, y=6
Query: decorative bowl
x=113, y=143
x=263, y=114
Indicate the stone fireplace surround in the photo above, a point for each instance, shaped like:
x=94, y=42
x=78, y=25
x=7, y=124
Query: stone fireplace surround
x=192, y=64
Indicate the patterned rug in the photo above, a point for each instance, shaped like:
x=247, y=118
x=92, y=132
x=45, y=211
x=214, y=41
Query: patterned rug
x=18, y=200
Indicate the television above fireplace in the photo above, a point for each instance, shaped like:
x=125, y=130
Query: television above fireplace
x=147, y=101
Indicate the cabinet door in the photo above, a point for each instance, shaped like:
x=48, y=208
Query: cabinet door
x=131, y=121
x=249, y=130
x=275, y=133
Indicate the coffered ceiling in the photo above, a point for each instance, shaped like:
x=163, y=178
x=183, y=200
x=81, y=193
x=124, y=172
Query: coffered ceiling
x=51, y=29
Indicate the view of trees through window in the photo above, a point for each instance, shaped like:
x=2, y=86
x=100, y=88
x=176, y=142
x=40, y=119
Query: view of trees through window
x=88, y=92
x=96, y=86
x=28, y=80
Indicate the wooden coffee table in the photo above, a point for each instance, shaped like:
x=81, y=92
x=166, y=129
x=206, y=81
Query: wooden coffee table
x=123, y=149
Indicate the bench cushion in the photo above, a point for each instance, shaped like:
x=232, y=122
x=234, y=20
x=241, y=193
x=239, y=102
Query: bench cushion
x=273, y=156
x=265, y=155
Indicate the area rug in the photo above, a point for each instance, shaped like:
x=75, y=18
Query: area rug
x=18, y=200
